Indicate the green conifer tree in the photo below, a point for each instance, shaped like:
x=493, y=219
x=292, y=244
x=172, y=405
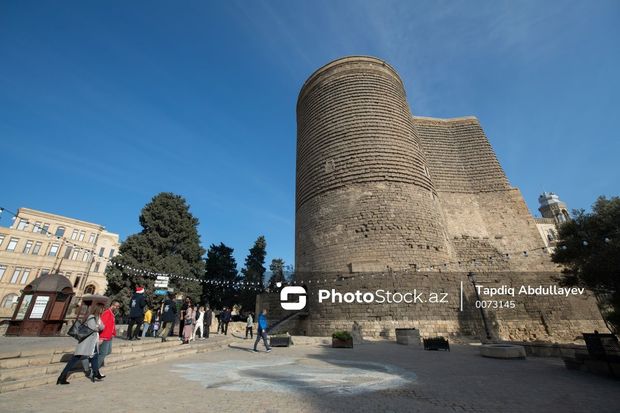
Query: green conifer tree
x=168, y=243
x=253, y=273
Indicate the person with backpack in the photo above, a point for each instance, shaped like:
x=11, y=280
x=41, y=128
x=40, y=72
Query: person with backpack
x=136, y=314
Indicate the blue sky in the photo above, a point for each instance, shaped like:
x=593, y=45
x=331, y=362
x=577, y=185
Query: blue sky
x=105, y=104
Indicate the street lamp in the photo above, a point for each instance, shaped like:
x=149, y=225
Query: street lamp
x=472, y=279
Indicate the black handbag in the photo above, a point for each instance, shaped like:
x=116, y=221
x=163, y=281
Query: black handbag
x=80, y=331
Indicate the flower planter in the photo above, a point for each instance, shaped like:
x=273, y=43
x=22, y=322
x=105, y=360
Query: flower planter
x=337, y=343
x=280, y=341
x=408, y=336
x=436, y=343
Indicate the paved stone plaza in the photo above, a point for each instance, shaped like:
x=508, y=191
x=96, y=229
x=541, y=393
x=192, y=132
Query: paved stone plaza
x=312, y=377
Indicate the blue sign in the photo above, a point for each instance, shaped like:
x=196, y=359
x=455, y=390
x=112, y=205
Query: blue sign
x=161, y=292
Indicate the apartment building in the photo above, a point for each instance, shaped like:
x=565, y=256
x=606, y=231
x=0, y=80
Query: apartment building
x=38, y=243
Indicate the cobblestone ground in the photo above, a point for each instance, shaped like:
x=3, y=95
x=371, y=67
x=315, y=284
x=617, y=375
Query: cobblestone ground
x=374, y=377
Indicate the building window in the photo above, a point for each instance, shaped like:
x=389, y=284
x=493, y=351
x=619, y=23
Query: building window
x=1, y=239
x=23, y=224
x=25, y=276
x=2, y=271
x=101, y=251
x=77, y=281
x=53, y=250
x=86, y=256
x=60, y=231
x=111, y=253
x=82, y=234
x=44, y=271
x=92, y=238
x=9, y=300
x=74, y=235
x=97, y=266
x=68, y=253
x=12, y=244
x=16, y=273
x=27, y=247
x=90, y=289
x=76, y=253
x=36, y=227
x=37, y=248
x=46, y=229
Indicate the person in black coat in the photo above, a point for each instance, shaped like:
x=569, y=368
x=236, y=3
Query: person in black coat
x=226, y=316
x=168, y=316
x=136, y=313
x=208, y=320
x=184, y=308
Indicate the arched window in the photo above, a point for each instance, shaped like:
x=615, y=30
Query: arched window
x=60, y=231
x=8, y=300
x=90, y=289
x=551, y=235
x=565, y=214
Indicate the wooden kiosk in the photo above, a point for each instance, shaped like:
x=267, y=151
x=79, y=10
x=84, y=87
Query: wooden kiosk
x=42, y=307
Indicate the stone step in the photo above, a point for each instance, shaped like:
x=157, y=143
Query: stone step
x=118, y=343
x=45, y=356
x=20, y=366
x=27, y=377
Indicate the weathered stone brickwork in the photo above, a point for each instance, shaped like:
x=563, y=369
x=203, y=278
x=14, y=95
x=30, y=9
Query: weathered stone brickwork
x=379, y=190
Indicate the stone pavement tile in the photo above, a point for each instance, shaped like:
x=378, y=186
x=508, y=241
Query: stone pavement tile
x=235, y=379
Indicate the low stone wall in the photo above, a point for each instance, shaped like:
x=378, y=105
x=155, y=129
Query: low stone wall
x=538, y=349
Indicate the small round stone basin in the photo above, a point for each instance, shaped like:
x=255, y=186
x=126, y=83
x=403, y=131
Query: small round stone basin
x=502, y=351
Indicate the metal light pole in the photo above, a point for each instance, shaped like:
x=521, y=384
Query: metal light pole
x=472, y=279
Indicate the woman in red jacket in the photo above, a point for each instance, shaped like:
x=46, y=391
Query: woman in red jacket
x=105, y=337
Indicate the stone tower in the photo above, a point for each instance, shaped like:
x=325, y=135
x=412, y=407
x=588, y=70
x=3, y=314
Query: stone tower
x=365, y=200
x=390, y=201
x=552, y=207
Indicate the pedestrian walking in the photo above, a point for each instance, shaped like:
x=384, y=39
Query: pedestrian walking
x=156, y=323
x=199, y=323
x=189, y=319
x=88, y=347
x=108, y=318
x=182, y=317
x=261, y=331
x=248, y=326
x=148, y=316
x=208, y=321
x=168, y=316
x=136, y=313
x=218, y=316
x=226, y=316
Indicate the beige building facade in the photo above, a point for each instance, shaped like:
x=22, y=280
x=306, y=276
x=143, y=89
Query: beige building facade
x=38, y=243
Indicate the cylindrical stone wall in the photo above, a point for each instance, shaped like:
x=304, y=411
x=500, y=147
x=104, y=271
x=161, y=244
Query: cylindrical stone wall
x=365, y=200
